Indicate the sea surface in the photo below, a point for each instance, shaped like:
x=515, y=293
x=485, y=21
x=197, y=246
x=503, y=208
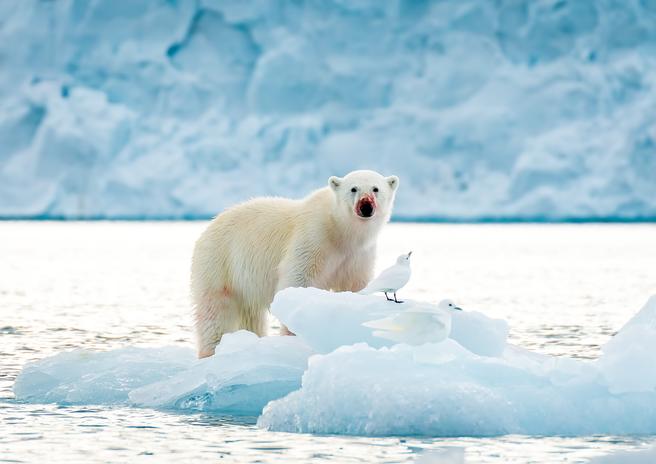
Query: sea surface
x=564, y=289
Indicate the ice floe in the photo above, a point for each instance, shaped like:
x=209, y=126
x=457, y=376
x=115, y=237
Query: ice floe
x=337, y=376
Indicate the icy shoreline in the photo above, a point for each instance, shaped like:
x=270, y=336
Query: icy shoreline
x=335, y=377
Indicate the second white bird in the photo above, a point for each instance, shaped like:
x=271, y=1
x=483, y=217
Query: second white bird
x=416, y=326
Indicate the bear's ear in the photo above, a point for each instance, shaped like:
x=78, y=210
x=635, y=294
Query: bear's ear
x=335, y=182
x=393, y=182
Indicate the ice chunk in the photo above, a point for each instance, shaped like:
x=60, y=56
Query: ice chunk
x=244, y=375
x=628, y=362
x=479, y=333
x=448, y=455
x=241, y=378
x=446, y=390
x=327, y=320
x=87, y=377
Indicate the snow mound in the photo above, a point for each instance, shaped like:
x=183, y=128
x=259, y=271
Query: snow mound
x=513, y=109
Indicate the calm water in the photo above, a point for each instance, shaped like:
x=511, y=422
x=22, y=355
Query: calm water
x=565, y=289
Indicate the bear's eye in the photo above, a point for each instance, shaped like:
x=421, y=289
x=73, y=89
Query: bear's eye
x=375, y=189
x=354, y=189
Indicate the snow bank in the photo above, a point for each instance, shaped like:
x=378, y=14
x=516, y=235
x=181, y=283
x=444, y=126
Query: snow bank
x=179, y=109
x=336, y=377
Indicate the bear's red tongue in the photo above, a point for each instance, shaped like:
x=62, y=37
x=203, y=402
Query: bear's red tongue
x=366, y=207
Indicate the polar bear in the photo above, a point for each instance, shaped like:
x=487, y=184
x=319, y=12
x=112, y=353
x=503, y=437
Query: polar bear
x=250, y=251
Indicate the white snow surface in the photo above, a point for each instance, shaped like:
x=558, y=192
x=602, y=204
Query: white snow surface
x=336, y=377
x=154, y=108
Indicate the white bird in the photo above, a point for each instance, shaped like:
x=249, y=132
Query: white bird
x=392, y=279
x=415, y=326
x=448, y=305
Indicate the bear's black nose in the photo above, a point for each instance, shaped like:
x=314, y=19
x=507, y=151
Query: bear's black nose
x=366, y=209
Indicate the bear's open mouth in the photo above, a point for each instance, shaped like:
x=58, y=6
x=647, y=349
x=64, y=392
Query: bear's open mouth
x=365, y=208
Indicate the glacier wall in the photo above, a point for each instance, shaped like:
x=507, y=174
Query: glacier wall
x=503, y=109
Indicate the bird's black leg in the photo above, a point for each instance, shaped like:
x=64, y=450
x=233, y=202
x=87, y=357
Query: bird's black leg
x=388, y=298
x=395, y=300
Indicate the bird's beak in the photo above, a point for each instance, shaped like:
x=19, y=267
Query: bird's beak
x=458, y=308
x=409, y=254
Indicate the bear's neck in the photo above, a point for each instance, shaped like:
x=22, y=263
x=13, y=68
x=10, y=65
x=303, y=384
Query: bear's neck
x=350, y=232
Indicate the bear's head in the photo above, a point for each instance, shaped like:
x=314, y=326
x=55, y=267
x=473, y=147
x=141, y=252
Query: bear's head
x=364, y=195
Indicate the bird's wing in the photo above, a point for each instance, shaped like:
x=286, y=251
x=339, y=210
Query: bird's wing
x=389, y=335
x=387, y=323
x=416, y=319
x=404, y=321
x=413, y=327
x=390, y=279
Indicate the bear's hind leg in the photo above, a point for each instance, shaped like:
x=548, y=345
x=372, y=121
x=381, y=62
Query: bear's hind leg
x=215, y=315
